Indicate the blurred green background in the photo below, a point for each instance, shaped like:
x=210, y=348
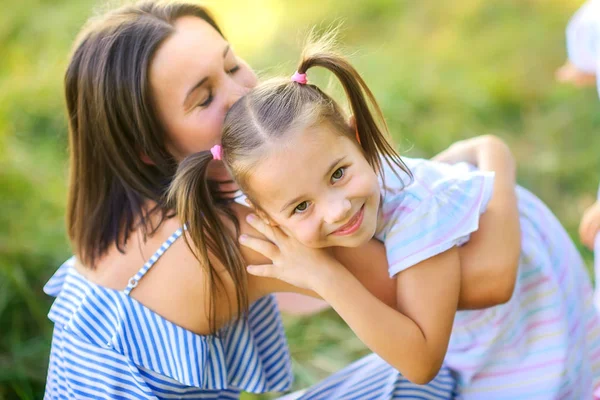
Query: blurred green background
x=442, y=71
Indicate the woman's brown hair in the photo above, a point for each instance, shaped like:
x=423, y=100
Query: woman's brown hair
x=112, y=122
x=269, y=112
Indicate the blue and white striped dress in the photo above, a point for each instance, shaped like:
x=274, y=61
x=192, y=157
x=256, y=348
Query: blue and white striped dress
x=107, y=345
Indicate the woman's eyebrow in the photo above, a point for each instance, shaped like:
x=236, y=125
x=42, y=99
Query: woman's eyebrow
x=201, y=81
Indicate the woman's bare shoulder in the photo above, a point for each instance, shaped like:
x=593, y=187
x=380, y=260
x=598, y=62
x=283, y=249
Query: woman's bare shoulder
x=174, y=287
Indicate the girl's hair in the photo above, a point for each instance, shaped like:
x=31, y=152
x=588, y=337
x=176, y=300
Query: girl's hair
x=112, y=122
x=265, y=115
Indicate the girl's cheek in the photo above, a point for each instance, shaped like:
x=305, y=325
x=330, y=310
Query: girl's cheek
x=308, y=236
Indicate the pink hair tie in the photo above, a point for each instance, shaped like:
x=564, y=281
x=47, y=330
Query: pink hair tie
x=216, y=152
x=300, y=78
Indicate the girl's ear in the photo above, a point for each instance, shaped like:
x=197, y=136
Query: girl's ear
x=352, y=126
x=352, y=122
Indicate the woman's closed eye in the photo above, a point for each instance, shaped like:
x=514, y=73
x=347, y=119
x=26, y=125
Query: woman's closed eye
x=206, y=102
x=210, y=97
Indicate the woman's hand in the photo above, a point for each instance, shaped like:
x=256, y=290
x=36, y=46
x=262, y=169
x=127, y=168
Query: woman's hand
x=292, y=262
x=475, y=150
x=489, y=261
x=590, y=225
x=463, y=150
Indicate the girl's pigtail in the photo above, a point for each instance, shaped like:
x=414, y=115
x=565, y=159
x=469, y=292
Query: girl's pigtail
x=191, y=196
x=371, y=130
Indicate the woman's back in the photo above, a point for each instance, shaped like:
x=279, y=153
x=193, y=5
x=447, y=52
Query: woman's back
x=130, y=318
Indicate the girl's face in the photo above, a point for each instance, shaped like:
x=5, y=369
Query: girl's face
x=319, y=188
x=195, y=78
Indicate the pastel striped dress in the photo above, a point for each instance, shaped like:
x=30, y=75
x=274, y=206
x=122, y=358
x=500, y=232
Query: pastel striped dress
x=545, y=342
x=106, y=345
x=597, y=266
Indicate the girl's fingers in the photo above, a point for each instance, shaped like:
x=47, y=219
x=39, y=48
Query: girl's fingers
x=266, y=270
x=261, y=246
x=271, y=232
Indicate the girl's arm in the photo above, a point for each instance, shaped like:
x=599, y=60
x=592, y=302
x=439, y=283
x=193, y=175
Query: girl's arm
x=414, y=340
x=490, y=259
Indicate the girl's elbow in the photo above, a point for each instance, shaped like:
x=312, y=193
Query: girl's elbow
x=425, y=374
x=507, y=281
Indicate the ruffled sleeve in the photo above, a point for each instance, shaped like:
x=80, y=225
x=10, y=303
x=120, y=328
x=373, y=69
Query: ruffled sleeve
x=582, y=37
x=439, y=209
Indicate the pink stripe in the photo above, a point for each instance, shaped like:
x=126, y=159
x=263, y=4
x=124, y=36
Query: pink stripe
x=595, y=354
x=566, y=395
x=534, y=284
x=517, y=337
x=524, y=369
x=534, y=325
x=388, y=214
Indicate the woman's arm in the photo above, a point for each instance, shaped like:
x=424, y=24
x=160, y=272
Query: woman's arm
x=490, y=260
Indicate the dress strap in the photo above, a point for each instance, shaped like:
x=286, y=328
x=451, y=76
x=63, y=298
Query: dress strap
x=133, y=282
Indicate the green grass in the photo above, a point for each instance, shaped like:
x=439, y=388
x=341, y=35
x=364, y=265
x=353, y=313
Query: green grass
x=442, y=71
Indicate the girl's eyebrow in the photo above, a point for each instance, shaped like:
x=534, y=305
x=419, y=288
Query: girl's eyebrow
x=297, y=198
x=203, y=80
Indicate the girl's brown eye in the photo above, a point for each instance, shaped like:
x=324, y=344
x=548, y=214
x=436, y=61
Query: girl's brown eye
x=338, y=174
x=300, y=208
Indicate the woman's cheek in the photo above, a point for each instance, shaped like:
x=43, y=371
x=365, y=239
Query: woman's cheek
x=213, y=126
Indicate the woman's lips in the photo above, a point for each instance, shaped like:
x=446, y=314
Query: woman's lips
x=352, y=225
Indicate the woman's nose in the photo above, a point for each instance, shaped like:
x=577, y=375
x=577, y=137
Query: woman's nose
x=338, y=211
x=234, y=92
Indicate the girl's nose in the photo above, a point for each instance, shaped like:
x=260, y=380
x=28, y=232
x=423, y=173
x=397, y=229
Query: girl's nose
x=338, y=211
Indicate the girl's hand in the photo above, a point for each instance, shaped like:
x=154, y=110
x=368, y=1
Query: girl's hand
x=590, y=225
x=293, y=262
x=569, y=73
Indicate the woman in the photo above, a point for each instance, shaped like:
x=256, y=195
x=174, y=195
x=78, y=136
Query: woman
x=136, y=316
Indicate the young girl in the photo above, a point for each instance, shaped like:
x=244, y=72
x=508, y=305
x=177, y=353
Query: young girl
x=581, y=69
x=348, y=186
